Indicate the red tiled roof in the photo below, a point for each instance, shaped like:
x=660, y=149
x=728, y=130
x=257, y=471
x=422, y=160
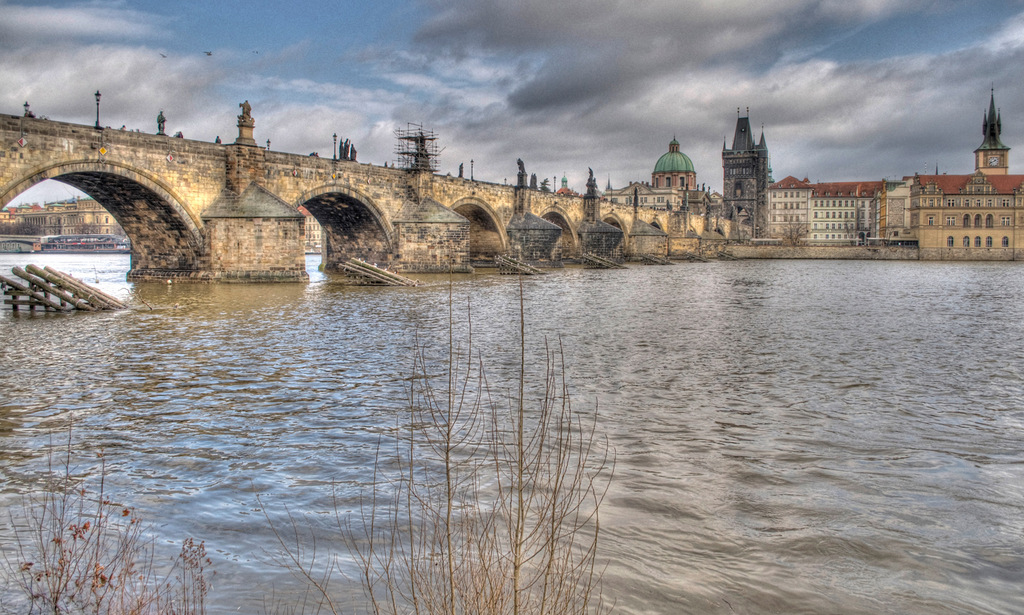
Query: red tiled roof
x=861, y=189
x=790, y=182
x=954, y=184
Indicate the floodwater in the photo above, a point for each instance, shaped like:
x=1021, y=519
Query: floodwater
x=790, y=436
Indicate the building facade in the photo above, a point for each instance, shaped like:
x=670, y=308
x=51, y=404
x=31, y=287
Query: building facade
x=71, y=217
x=313, y=232
x=833, y=213
x=788, y=210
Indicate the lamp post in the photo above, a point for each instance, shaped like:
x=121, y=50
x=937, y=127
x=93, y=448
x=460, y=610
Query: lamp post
x=98, y=108
x=268, y=144
x=470, y=169
x=334, y=155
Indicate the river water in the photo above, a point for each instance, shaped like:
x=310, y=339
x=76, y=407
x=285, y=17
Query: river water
x=790, y=436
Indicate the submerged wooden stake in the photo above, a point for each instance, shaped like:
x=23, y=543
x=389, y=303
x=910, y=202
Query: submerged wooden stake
x=53, y=290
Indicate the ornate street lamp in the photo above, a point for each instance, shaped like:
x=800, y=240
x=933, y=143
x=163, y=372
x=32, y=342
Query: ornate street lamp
x=268, y=144
x=470, y=169
x=98, y=108
x=334, y=156
x=28, y=113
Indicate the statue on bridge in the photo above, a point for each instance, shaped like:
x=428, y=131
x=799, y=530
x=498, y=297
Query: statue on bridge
x=591, y=184
x=460, y=168
x=246, y=117
x=245, y=126
x=160, y=121
x=521, y=177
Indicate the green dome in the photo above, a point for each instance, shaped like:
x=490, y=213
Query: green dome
x=674, y=161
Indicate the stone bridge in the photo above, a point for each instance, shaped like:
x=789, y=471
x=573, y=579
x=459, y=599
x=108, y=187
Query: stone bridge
x=211, y=211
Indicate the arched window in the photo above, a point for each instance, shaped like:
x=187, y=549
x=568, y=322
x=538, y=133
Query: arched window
x=967, y=241
x=949, y=241
x=977, y=242
x=989, y=221
x=988, y=242
x=1006, y=242
x=977, y=221
x=967, y=220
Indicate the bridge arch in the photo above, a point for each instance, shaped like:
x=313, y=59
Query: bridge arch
x=353, y=225
x=615, y=221
x=569, y=239
x=166, y=236
x=487, y=236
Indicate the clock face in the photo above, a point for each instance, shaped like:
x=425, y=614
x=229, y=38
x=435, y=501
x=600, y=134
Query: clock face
x=993, y=161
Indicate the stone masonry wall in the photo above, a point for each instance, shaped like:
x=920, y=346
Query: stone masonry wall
x=439, y=247
x=256, y=249
x=656, y=245
x=825, y=252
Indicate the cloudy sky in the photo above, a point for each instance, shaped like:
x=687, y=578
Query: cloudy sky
x=845, y=89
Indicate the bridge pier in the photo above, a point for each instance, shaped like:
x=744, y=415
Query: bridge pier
x=597, y=237
x=253, y=237
x=531, y=238
x=431, y=238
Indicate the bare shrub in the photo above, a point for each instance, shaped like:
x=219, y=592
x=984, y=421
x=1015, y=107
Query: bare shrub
x=77, y=551
x=482, y=506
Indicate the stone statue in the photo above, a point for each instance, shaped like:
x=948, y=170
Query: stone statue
x=533, y=181
x=522, y=167
x=636, y=198
x=246, y=116
x=460, y=169
x=521, y=176
x=217, y=140
x=160, y=120
x=591, y=184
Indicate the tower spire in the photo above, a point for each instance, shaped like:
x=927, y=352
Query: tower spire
x=993, y=126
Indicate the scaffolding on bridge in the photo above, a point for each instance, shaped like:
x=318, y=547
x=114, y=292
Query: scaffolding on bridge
x=416, y=149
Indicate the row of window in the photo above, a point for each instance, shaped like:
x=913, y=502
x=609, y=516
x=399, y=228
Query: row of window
x=989, y=221
x=977, y=242
x=834, y=203
x=966, y=202
x=835, y=225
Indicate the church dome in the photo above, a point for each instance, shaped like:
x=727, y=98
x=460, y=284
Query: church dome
x=674, y=161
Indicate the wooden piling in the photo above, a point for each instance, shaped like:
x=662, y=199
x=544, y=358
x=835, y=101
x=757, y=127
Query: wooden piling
x=51, y=289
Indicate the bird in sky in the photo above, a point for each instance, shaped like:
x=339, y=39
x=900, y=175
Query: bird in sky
x=209, y=53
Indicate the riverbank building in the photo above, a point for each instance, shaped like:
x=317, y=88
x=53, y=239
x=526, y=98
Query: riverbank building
x=978, y=216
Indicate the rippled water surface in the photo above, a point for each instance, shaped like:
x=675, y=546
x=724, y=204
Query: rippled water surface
x=791, y=436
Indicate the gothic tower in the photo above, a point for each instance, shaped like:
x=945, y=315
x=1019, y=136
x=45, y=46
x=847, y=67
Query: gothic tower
x=992, y=157
x=746, y=176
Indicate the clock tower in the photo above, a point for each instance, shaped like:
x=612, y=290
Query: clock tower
x=992, y=157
